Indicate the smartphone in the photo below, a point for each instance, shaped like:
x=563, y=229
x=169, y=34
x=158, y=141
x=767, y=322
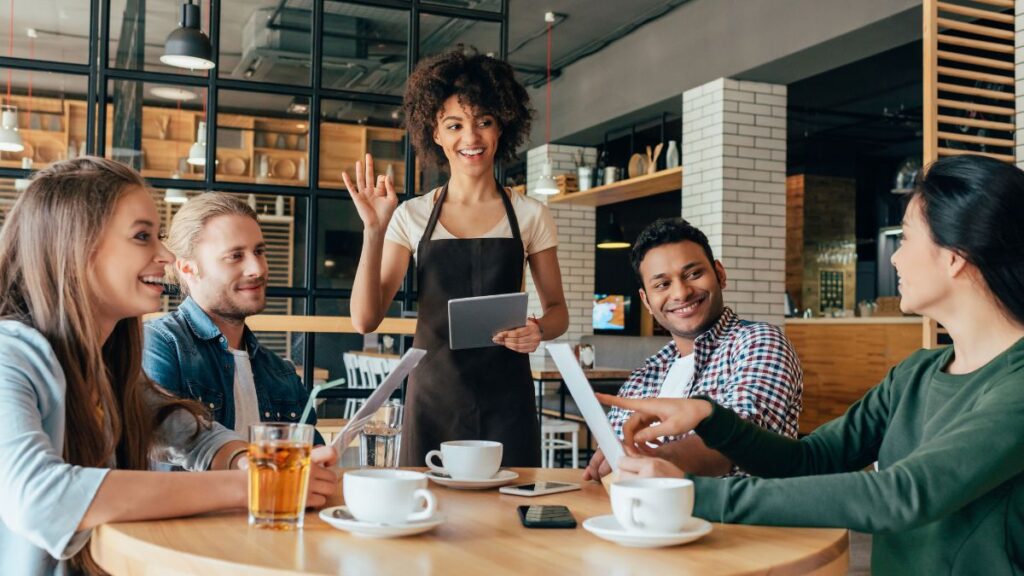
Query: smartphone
x=538, y=488
x=546, y=516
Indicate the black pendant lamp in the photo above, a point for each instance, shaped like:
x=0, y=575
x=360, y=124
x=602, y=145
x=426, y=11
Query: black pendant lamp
x=614, y=238
x=187, y=47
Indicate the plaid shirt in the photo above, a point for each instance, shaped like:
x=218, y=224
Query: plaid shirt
x=749, y=367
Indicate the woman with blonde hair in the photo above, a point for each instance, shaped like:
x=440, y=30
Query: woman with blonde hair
x=80, y=261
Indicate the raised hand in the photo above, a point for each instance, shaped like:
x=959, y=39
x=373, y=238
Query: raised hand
x=656, y=417
x=373, y=195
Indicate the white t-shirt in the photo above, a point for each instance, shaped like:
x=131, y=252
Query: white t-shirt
x=247, y=407
x=678, y=378
x=536, y=227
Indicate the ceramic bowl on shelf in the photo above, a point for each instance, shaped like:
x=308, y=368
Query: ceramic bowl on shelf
x=234, y=166
x=285, y=168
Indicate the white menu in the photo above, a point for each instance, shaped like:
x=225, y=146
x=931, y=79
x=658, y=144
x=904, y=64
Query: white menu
x=589, y=407
x=409, y=361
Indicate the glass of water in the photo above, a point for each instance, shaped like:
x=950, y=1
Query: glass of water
x=381, y=438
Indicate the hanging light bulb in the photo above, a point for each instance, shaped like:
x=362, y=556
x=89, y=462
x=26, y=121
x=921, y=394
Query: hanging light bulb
x=615, y=238
x=546, y=185
x=186, y=46
x=197, y=153
x=10, y=138
x=175, y=195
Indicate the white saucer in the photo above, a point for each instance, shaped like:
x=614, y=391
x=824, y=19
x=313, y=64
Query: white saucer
x=608, y=528
x=500, y=479
x=375, y=530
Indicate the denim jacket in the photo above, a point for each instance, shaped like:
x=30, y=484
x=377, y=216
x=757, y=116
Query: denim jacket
x=186, y=353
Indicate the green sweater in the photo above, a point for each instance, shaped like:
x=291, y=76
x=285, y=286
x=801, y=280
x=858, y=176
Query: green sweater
x=949, y=494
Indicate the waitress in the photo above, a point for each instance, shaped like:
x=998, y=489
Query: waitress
x=470, y=237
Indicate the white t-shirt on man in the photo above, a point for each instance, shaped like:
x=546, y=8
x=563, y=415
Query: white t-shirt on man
x=678, y=378
x=247, y=406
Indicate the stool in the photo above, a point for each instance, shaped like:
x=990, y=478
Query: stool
x=550, y=428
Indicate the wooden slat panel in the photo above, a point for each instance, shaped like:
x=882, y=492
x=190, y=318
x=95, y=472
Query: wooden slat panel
x=976, y=44
x=999, y=3
x=972, y=75
x=976, y=139
x=976, y=29
x=955, y=152
x=974, y=122
x=978, y=60
x=972, y=107
x=972, y=91
x=930, y=64
x=976, y=12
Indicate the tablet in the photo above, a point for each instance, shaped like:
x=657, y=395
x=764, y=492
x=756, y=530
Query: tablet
x=590, y=408
x=473, y=322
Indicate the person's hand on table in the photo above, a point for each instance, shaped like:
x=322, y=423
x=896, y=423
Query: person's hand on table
x=647, y=467
x=323, y=476
x=524, y=339
x=654, y=418
x=598, y=467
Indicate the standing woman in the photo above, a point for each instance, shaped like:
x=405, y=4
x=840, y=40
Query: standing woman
x=470, y=237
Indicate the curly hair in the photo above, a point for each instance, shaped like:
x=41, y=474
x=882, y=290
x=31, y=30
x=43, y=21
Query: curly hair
x=482, y=83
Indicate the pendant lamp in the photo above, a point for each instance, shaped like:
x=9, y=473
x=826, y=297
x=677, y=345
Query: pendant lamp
x=10, y=138
x=546, y=185
x=186, y=46
x=614, y=238
x=197, y=153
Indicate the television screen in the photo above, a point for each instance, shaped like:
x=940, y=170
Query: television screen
x=610, y=311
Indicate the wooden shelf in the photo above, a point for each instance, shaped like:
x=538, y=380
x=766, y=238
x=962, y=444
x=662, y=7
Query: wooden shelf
x=630, y=189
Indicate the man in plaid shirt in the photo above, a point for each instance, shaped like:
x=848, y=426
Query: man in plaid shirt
x=749, y=367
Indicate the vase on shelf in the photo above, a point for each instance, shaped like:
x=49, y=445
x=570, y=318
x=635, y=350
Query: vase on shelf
x=672, y=155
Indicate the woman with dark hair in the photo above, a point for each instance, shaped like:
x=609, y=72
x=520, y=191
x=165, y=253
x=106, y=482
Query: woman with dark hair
x=945, y=426
x=80, y=262
x=470, y=237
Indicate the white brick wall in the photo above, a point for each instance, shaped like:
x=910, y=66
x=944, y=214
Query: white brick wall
x=734, y=187
x=576, y=236
x=1018, y=59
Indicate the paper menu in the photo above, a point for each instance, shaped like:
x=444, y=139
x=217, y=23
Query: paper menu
x=590, y=408
x=405, y=365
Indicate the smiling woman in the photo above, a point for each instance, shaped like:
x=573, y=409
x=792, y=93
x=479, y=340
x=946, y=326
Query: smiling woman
x=470, y=237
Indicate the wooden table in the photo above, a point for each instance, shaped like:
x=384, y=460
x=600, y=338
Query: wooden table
x=481, y=535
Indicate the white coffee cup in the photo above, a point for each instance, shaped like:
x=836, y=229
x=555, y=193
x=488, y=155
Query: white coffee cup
x=663, y=505
x=467, y=459
x=388, y=496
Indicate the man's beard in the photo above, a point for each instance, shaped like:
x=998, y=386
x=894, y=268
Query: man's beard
x=227, y=309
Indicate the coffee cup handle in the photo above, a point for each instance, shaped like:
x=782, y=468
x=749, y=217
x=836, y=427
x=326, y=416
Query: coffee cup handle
x=427, y=512
x=631, y=520
x=435, y=467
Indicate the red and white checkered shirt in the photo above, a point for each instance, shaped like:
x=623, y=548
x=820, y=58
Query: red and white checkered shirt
x=749, y=367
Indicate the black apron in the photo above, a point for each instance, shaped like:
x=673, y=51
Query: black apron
x=477, y=394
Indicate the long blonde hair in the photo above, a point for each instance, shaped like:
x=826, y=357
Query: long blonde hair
x=188, y=224
x=46, y=246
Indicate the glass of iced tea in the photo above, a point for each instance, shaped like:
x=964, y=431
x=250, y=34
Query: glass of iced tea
x=279, y=461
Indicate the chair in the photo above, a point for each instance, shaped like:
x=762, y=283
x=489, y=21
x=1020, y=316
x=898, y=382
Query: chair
x=369, y=371
x=352, y=369
x=352, y=405
x=550, y=431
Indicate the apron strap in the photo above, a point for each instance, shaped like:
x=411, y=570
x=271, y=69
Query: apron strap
x=435, y=213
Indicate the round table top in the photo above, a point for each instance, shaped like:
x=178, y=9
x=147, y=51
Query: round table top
x=481, y=535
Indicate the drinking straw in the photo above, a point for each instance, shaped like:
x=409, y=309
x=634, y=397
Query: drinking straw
x=312, y=396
